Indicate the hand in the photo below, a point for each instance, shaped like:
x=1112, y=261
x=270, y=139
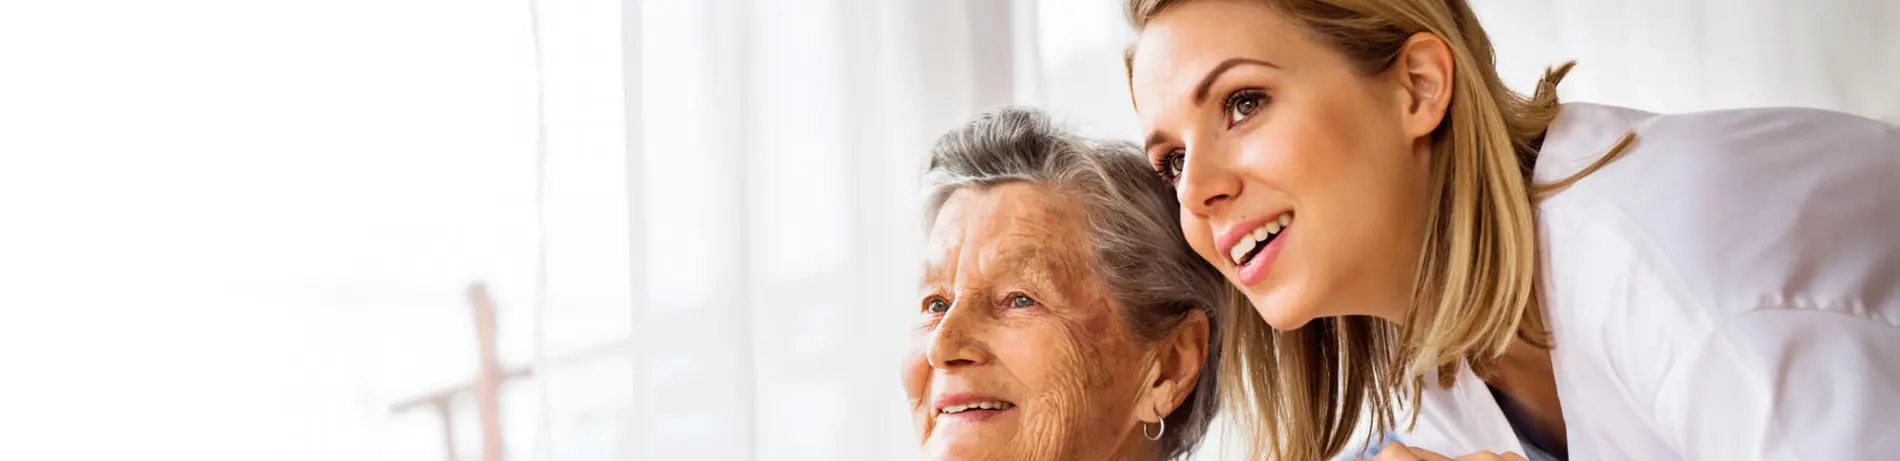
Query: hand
x=1397, y=452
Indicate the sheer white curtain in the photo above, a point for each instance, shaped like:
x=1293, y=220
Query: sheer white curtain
x=1688, y=55
x=775, y=214
x=242, y=230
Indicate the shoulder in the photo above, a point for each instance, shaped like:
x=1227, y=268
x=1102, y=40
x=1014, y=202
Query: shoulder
x=1729, y=250
x=1735, y=209
x=1738, y=142
x=1742, y=138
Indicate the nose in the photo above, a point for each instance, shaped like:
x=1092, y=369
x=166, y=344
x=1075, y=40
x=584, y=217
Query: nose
x=1207, y=181
x=958, y=340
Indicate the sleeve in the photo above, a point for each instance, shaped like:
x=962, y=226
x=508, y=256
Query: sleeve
x=1787, y=384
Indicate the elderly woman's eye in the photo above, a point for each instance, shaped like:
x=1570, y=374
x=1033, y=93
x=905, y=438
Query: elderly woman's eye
x=937, y=306
x=1021, y=301
x=1243, y=105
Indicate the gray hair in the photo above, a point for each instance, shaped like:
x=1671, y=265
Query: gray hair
x=1133, y=222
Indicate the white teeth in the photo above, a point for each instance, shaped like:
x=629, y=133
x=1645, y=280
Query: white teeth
x=1258, y=236
x=991, y=405
x=1241, y=249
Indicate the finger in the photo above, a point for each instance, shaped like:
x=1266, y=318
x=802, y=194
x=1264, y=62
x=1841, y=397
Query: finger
x=1394, y=451
x=1509, y=456
x=1484, y=455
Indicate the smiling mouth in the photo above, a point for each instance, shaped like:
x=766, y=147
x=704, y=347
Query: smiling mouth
x=993, y=406
x=1257, y=240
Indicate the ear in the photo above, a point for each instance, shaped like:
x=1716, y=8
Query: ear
x=1424, y=69
x=1177, y=368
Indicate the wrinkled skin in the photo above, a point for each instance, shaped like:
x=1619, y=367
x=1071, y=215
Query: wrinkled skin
x=1028, y=323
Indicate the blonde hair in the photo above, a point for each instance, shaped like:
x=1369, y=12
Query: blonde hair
x=1299, y=394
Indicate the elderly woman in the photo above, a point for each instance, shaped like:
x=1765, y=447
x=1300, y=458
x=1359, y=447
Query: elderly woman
x=1061, y=314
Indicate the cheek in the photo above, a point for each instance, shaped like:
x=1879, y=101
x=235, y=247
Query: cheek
x=1059, y=363
x=1081, y=373
x=1305, y=153
x=1331, y=155
x=1200, y=237
x=1360, y=178
x=916, y=373
x=1347, y=167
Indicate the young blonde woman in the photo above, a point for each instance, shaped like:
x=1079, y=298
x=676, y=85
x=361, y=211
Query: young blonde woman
x=1524, y=278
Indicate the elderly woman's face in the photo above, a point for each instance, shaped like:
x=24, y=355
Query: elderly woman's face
x=1018, y=351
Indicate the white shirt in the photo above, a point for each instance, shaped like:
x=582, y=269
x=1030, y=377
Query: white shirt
x=1729, y=289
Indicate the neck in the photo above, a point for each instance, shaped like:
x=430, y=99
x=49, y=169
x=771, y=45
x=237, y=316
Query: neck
x=1386, y=290
x=1391, y=307
x=1137, y=448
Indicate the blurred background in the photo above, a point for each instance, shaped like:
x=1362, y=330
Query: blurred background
x=593, y=229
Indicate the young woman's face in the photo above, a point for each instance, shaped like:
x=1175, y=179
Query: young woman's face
x=1295, y=175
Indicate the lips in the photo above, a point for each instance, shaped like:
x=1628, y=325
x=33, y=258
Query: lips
x=1253, y=245
x=996, y=405
x=1258, y=238
x=971, y=406
x=1249, y=236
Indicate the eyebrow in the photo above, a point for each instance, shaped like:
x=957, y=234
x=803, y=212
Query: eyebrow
x=1201, y=89
x=1153, y=139
x=1035, y=264
x=933, y=273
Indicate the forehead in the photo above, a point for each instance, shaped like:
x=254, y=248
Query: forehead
x=1007, y=221
x=1179, y=46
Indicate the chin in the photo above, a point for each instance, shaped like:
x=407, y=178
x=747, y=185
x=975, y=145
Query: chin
x=1282, y=309
x=962, y=446
x=955, y=451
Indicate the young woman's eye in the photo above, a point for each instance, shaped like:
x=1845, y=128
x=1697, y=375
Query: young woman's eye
x=936, y=305
x=1243, y=105
x=1170, y=166
x=1021, y=301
